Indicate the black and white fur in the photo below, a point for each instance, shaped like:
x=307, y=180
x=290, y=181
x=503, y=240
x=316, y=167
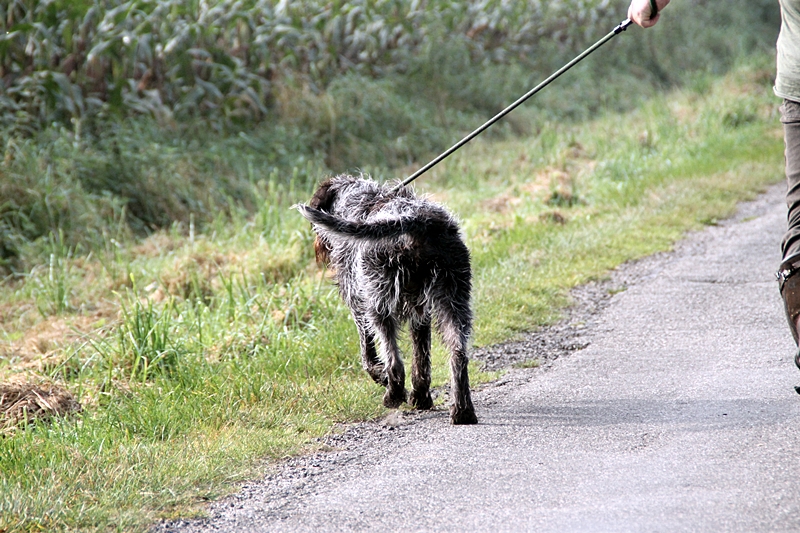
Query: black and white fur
x=398, y=258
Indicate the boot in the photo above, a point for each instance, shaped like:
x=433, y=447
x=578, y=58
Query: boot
x=789, y=285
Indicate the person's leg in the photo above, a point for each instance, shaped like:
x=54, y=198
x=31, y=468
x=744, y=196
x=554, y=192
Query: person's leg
x=790, y=265
x=790, y=116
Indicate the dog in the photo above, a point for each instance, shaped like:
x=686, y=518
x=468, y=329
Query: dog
x=398, y=258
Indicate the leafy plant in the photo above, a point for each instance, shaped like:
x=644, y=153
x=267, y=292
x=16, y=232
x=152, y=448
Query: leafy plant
x=68, y=61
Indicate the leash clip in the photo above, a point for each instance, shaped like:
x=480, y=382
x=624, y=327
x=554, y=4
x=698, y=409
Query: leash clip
x=622, y=26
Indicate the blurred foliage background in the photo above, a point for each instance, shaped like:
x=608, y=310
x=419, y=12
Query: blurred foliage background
x=118, y=118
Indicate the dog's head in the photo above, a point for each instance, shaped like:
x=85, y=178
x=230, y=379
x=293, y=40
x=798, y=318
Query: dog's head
x=323, y=199
x=345, y=196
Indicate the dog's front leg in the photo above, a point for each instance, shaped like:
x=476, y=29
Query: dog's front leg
x=386, y=328
x=369, y=357
x=421, y=367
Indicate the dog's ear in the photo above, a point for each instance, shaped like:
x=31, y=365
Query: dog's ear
x=323, y=200
x=324, y=196
x=322, y=251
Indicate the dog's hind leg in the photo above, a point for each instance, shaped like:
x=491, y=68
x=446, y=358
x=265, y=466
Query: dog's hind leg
x=454, y=320
x=421, y=367
x=461, y=410
x=369, y=356
x=386, y=328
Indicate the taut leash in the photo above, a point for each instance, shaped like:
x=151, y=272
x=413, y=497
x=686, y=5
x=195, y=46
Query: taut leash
x=619, y=29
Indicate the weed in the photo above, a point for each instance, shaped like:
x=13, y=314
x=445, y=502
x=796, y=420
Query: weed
x=52, y=290
x=145, y=342
x=528, y=363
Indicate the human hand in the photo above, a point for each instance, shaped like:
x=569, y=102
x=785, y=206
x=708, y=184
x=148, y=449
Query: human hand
x=641, y=12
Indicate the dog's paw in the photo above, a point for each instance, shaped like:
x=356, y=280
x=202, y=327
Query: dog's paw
x=378, y=375
x=394, y=399
x=463, y=416
x=421, y=401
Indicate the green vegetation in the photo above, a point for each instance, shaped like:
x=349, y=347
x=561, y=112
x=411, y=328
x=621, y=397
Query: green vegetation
x=153, y=267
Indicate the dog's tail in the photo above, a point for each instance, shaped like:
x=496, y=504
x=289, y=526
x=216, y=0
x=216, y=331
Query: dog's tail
x=379, y=229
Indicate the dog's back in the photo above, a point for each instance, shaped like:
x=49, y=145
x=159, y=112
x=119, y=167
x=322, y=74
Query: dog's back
x=398, y=239
x=362, y=209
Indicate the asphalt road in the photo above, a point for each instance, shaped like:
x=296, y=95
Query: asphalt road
x=680, y=414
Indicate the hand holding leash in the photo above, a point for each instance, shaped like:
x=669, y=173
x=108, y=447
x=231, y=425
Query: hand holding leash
x=645, y=13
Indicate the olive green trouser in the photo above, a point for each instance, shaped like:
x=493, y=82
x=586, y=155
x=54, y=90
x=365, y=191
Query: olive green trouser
x=790, y=116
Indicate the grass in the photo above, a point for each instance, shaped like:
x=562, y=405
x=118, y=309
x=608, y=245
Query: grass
x=199, y=357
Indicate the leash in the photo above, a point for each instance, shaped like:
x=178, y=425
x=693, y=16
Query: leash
x=619, y=29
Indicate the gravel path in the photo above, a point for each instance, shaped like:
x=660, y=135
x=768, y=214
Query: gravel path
x=668, y=406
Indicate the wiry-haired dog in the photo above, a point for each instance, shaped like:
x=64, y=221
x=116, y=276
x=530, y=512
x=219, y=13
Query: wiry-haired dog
x=398, y=258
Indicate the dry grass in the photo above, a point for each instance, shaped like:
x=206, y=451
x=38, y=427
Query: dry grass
x=46, y=342
x=23, y=402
